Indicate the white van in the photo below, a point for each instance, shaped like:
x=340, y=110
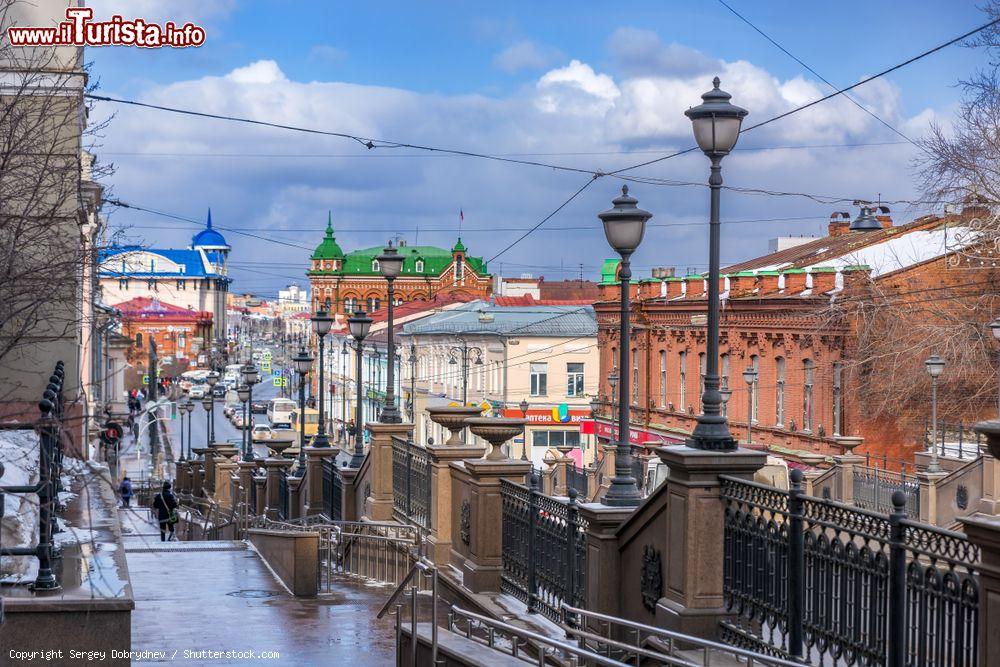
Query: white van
x=279, y=411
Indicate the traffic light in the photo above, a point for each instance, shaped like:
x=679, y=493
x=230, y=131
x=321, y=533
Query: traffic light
x=112, y=433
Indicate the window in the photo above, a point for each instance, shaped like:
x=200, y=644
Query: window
x=152, y=266
x=151, y=284
x=138, y=340
x=702, y=366
x=837, y=393
x=779, y=391
x=181, y=341
x=375, y=268
x=459, y=269
x=663, y=378
x=555, y=438
x=374, y=303
x=807, y=395
x=123, y=283
x=574, y=379
x=350, y=304
x=754, y=388
x=724, y=382
x=635, y=376
x=682, y=384
x=180, y=284
x=420, y=266
x=539, y=379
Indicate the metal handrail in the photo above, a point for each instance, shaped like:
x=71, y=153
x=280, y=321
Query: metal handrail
x=427, y=568
x=669, y=636
x=577, y=654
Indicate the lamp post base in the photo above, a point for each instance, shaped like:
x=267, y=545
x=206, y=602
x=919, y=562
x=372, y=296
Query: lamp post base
x=623, y=492
x=390, y=415
x=712, y=434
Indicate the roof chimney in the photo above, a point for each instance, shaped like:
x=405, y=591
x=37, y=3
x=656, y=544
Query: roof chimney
x=795, y=281
x=674, y=286
x=741, y=284
x=856, y=277
x=767, y=282
x=883, y=216
x=840, y=223
x=694, y=286
x=824, y=279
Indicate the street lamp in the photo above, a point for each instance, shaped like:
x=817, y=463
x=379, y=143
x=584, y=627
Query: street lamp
x=207, y=403
x=344, y=365
x=749, y=376
x=524, y=414
x=322, y=322
x=995, y=328
x=716, y=124
x=360, y=324
x=182, y=409
x=726, y=393
x=250, y=377
x=624, y=227
x=211, y=380
x=934, y=366
x=390, y=263
x=243, y=393
x=188, y=407
x=454, y=354
x=303, y=364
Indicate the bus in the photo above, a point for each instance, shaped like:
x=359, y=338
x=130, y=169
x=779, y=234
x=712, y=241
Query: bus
x=312, y=421
x=279, y=411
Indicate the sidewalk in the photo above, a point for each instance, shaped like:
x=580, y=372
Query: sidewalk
x=220, y=596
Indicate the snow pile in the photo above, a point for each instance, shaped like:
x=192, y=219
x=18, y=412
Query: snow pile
x=19, y=526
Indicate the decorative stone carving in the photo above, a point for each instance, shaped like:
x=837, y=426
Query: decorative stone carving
x=962, y=497
x=651, y=581
x=465, y=529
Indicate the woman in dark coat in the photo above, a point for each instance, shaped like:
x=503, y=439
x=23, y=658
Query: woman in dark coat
x=165, y=506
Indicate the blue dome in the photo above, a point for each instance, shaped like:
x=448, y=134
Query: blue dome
x=208, y=237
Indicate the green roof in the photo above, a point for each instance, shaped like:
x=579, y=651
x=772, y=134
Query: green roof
x=609, y=271
x=458, y=246
x=435, y=260
x=328, y=249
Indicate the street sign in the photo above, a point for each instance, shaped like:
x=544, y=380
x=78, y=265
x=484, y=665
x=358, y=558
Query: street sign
x=276, y=373
x=145, y=379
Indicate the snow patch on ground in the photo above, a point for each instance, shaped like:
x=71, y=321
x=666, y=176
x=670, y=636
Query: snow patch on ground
x=19, y=525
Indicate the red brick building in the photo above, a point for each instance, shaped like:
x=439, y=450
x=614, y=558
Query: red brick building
x=178, y=332
x=834, y=328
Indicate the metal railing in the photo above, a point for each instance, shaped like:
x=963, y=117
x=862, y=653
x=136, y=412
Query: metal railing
x=50, y=456
x=283, y=496
x=954, y=439
x=333, y=491
x=411, y=483
x=576, y=479
x=873, y=490
x=637, y=643
x=544, y=550
x=421, y=568
x=823, y=582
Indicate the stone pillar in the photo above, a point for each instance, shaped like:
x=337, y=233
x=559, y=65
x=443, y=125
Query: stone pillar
x=350, y=508
x=295, y=489
x=847, y=464
x=693, y=597
x=984, y=531
x=928, y=495
x=439, y=542
x=274, y=468
x=180, y=477
x=603, y=576
x=481, y=563
x=608, y=466
x=198, y=473
x=224, y=471
x=378, y=506
x=991, y=484
x=261, y=483
x=561, y=477
x=315, y=457
x=245, y=471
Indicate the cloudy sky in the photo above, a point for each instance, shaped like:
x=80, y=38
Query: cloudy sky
x=592, y=85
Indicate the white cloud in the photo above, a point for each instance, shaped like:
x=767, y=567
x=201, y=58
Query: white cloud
x=331, y=55
x=526, y=55
x=642, y=53
x=570, y=110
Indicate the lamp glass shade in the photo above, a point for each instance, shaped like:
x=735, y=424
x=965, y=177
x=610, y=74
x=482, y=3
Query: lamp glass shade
x=212, y=379
x=250, y=374
x=303, y=362
x=726, y=394
x=749, y=375
x=995, y=327
x=624, y=223
x=187, y=406
x=243, y=393
x=360, y=324
x=523, y=405
x=934, y=365
x=390, y=262
x=322, y=322
x=716, y=121
x=207, y=403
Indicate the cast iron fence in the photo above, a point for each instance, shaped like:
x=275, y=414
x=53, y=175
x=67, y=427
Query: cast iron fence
x=411, y=483
x=873, y=490
x=333, y=491
x=576, y=479
x=954, y=439
x=544, y=549
x=283, y=495
x=50, y=457
x=830, y=584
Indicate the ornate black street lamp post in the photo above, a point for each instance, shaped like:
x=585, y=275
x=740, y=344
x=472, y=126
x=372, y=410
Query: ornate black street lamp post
x=935, y=366
x=524, y=415
x=250, y=377
x=624, y=226
x=390, y=263
x=360, y=324
x=322, y=322
x=207, y=404
x=243, y=393
x=303, y=364
x=716, y=123
x=212, y=380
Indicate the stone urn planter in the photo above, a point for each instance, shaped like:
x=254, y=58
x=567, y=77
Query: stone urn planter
x=991, y=431
x=849, y=444
x=454, y=419
x=496, y=432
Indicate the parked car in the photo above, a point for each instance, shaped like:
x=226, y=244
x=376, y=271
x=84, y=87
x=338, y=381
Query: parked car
x=197, y=391
x=260, y=433
x=219, y=391
x=258, y=407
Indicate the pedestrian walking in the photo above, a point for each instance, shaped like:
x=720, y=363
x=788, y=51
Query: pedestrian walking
x=165, y=504
x=125, y=491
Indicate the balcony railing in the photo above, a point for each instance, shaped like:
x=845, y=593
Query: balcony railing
x=873, y=490
x=411, y=483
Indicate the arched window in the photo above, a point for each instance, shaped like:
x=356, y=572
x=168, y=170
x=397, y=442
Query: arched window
x=837, y=397
x=779, y=391
x=724, y=380
x=808, y=370
x=755, y=388
x=138, y=340
x=374, y=303
x=350, y=304
x=635, y=376
x=702, y=366
x=663, y=378
x=375, y=268
x=420, y=266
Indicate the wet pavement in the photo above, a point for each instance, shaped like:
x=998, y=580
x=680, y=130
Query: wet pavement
x=219, y=596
